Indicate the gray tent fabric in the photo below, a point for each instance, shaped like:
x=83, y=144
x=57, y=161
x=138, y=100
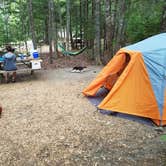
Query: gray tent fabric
x=101, y=94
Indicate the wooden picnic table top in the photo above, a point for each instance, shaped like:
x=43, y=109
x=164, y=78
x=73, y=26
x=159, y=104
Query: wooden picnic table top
x=18, y=60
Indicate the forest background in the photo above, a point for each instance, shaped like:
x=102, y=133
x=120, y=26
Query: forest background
x=103, y=26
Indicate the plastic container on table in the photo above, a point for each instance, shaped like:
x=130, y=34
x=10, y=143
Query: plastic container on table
x=1, y=59
x=35, y=55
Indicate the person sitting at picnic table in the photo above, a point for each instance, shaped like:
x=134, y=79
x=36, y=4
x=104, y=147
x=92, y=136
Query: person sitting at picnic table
x=9, y=63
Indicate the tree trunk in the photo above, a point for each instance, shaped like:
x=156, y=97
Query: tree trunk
x=23, y=24
x=70, y=29
x=163, y=20
x=54, y=29
x=92, y=31
x=68, y=24
x=121, y=25
x=31, y=23
x=97, y=44
x=81, y=21
x=108, y=24
x=77, y=27
x=108, y=33
x=51, y=30
x=86, y=18
x=46, y=36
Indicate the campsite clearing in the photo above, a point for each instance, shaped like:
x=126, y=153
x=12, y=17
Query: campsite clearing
x=47, y=121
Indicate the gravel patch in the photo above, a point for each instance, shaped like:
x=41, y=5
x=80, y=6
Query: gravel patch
x=46, y=121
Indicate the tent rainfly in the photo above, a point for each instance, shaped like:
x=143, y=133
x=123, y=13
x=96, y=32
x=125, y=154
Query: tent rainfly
x=137, y=87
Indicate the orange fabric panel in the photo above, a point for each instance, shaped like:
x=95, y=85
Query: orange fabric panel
x=133, y=93
x=158, y=123
x=164, y=108
x=110, y=81
x=163, y=122
x=111, y=68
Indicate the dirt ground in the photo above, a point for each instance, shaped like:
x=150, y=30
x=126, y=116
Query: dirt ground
x=46, y=121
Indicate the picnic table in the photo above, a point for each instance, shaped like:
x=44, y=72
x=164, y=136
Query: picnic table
x=26, y=64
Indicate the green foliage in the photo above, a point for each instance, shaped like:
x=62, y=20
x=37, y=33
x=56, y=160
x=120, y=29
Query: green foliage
x=143, y=19
x=163, y=137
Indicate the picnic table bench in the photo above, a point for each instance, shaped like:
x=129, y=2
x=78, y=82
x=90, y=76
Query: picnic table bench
x=23, y=65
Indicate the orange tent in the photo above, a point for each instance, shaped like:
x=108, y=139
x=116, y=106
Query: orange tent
x=140, y=88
